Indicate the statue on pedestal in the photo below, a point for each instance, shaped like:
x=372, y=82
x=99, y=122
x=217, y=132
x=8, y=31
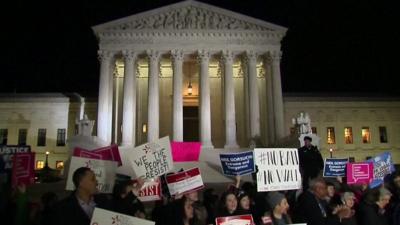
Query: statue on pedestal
x=85, y=126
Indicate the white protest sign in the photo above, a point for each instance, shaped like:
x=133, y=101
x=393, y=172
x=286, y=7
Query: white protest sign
x=106, y=217
x=278, y=169
x=152, y=159
x=103, y=169
x=184, y=182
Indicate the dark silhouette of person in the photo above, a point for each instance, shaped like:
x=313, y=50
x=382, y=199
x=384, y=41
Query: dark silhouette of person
x=311, y=162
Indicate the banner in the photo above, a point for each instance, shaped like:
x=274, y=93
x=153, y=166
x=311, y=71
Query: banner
x=106, y=217
x=23, y=171
x=105, y=153
x=185, y=182
x=152, y=159
x=235, y=220
x=360, y=173
x=335, y=167
x=383, y=166
x=278, y=169
x=237, y=163
x=103, y=169
x=185, y=151
x=151, y=191
x=7, y=152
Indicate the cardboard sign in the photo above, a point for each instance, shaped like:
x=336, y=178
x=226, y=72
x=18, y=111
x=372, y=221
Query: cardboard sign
x=23, y=171
x=383, y=166
x=185, y=151
x=151, y=191
x=278, y=169
x=360, y=173
x=335, y=167
x=8, y=151
x=105, y=153
x=152, y=159
x=185, y=182
x=237, y=163
x=106, y=217
x=235, y=220
x=103, y=169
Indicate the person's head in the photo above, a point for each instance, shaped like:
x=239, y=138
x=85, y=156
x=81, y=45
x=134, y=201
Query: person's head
x=278, y=202
x=307, y=141
x=384, y=197
x=318, y=187
x=348, y=199
x=188, y=209
x=122, y=189
x=192, y=196
x=229, y=201
x=331, y=189
x=244, y=200
x=396, y=180
x=85, y=180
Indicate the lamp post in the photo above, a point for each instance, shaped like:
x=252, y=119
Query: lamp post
x=331, y=151
x=47, y=159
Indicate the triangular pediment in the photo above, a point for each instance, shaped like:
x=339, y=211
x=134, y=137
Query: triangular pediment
x=188, y=15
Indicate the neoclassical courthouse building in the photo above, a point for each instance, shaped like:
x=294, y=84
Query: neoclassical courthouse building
x=196, y=72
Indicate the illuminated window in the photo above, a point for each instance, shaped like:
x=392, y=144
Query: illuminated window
x=383, y=135
x=366, y=136
x=314, y=130
x=41, y=141
x=22, y=133
x=3, y=136
x=330, y=135
x=39, y=164
x=60, y=165
x=60, y=137
x=348, y=135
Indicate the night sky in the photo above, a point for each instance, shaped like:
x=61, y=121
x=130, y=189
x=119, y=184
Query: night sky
x=331, y=46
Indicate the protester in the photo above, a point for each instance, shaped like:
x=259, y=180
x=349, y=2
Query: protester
x=183, y=213
x=311, y=162
x=49, y=200
x=279, y=205
x=78, y=208
x=210, y=200
x=228, y=205
x=372, y=208
x=347, y=199
x=125, y=199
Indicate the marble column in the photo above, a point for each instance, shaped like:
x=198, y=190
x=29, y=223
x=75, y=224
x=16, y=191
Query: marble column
x=129, y=100
x=254, y=102
x=177, y=119
x=104, y=123
x=229, y=95
x=205, y=108
x=278, y=99
x=153, y=116
x=270, y=101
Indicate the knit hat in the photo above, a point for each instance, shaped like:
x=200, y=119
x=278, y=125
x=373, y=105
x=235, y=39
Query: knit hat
x=274, y=199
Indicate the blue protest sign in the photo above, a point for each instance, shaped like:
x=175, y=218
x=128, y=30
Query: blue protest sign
x=383, y=166
x=335, y=167
x=237, y=163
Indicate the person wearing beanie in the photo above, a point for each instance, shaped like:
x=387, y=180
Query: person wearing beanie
x=279, y=208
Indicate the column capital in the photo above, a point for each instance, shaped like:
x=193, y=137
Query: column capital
x=203, y=55
x=153, y=55
x=177, y=54
x=129, y=55
x=227, y=56
x=251, y=56
x=105, y=55
x=276, y=56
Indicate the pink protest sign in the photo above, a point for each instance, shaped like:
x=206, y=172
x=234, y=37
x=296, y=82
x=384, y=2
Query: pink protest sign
x=23, y=169
x=360, y=173
x=185, y=151
x=110, y=153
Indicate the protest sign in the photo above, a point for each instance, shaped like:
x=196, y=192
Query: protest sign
x=237, y=163
x=106, y=217
x=105, y=153
x=235, y=220
x=278, y=169
x=383, y=166
x=7, y=152
x=103, y=169
x=151, y=191
x=23, y=171
x=335, y=167
x=152, y=159
x=360, y=173
x=185, y=182
x=185, y=151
